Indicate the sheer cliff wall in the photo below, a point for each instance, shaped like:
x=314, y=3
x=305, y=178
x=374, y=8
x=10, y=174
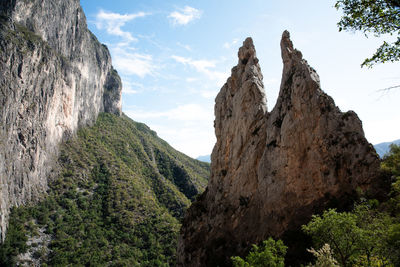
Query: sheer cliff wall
x=54, y=78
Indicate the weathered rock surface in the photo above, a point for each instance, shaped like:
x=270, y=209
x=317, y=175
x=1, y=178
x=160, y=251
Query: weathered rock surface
x=272, y=170
x=54, y=77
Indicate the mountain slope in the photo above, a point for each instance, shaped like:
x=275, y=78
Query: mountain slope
x=383, y=148
x=118, y=197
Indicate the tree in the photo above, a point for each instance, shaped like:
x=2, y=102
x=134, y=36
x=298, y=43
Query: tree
x=391, y=162
x=375, y=17
x=270, y=254
x=367, y=236
x=324, y=257
x=357, y=238
x=391, y=165
x=339, y=230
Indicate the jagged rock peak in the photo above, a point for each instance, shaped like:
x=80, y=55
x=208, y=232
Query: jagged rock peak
x=292, y=57
x=288, y=52
x=271, y=171
x=240, y=105
x=247, y=51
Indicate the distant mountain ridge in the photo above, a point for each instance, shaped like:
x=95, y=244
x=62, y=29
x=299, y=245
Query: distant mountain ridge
x=205, y=158
x=383, y=148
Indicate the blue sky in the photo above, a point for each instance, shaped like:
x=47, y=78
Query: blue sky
x=174, y=56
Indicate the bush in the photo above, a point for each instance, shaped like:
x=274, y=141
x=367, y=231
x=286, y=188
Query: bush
x=270, y=254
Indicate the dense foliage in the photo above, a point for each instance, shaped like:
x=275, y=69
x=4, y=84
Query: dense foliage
x=270, y=254
x=324, y=257
x=370, y=234
x=377, y=17
x=117, y=200
x=357, y=238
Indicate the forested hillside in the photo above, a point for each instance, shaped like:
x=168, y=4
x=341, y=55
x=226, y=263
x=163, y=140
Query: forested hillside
x=116, y=200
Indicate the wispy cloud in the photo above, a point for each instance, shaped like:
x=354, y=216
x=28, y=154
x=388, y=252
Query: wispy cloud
x=187, y=47
x=113, y=22
x=128, y=90
x=184, y=15
x=208, y=93
x=187, y=112
x=191, y=79
x=131, y=88
x=181, y=138
x=200, y=65
x=132, y=63
x=229, y=45
x=203, y=66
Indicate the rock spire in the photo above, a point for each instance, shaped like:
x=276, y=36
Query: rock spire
x=272, y=170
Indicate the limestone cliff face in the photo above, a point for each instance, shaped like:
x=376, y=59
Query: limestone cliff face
x=54, y=77
x=271, y=170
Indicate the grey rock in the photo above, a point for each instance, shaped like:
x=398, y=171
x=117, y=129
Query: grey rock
x=54, y=78
x=271, y=171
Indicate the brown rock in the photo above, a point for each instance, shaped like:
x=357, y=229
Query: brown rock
x=272, y=171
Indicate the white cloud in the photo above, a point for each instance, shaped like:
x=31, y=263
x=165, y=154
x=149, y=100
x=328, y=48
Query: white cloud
x=199, y=65
x=208, y=94
x=132, y=63
x=193, y=140
x=112, y=23
x=187, y=112
x=187, y=47
x=131, y=88
x=185, y=15
x=203, y=66
x=230, y=45
x=128, y=90
x=191, y=79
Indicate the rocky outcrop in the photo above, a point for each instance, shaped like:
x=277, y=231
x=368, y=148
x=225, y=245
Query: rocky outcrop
x=54, y=77
x=272, y=170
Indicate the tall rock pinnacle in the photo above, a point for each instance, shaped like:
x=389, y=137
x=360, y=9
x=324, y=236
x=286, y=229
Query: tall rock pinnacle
x=272, y=170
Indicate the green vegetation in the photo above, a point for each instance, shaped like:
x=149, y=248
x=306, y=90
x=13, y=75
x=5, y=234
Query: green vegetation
x=357, y=238
x=369, y=235
x=15, y=243
x=378, y=17
x=270, y=254
x=114, y=202
x=24, y=39
x=391, y=162
x=30, y=36
x=324, y=257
